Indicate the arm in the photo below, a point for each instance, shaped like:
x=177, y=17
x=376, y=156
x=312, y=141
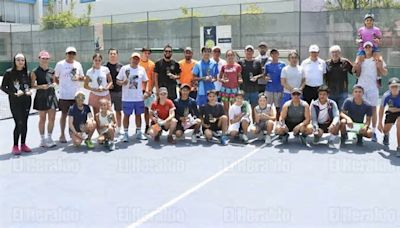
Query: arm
x=307, y=115
x=240, y=79
x=171, y=115
x=110, y=82
x=381, y=67
x=86, y=84
x=284, y=111
x=257, y=116
x=314, y=117
x=335, y=111
x=5, y=85
x=155, y=81
x=381, y=111
x=71, y=125
x=273, y=114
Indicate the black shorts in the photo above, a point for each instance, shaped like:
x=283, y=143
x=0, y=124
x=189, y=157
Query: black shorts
x=291, y=125
x=179, y=127
x=116, y=99
x=65, y=104
x=324, y=126
x=213, y=127
x=45, y=100
x=391, y=117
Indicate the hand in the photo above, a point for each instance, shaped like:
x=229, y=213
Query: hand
x=254, y=78
x=19, y=93
x=350, y=123
x=379, y=63
x=146, y=95
x=125, y=82
x=376, y=40
x=183, y=119
x=206, y=125
x=28, y=93
x=171, y=76
x=208, y=78
x=392, y=109
x=358, y=41
x=380, y=127
x=44, y=86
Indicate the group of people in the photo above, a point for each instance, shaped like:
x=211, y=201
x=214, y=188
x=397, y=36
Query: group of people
x=220, y=98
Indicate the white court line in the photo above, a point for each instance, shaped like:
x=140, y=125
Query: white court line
x=191, y=190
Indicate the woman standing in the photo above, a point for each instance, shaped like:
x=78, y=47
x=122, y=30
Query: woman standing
x=45, y=100
x=16, y=83
x=98, y=81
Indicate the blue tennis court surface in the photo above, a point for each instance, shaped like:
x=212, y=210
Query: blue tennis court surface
x=205, y=185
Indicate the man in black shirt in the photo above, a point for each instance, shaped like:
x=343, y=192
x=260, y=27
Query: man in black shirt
x=166, y=72
x=336, y=77
x=186, y=113
x=213, y=117
x=116, y=91
x=251, y=71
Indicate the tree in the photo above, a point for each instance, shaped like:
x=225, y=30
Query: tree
x=65, y=19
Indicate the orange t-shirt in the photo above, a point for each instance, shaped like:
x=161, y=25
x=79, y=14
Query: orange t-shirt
x=149, y=68
x=186, y=71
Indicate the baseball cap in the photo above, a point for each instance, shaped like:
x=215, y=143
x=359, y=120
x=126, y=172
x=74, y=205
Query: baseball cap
x=70, y=49
x=358, y=86
x=249, y=47
x=313, y=48
x=163, y=90
x=273, y=50
x=369, y=15
x=394, y=81
x=215, y=48
x=185, y=85
x=262, y=44
x=135, y=54
x=205, y=48
x=188, y=49
x=44, y=55
x=368, y=43
x=297, y=90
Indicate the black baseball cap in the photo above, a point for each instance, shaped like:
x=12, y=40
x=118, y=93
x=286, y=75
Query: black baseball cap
x=273, y=50
x=146, y=49
x=262, y=44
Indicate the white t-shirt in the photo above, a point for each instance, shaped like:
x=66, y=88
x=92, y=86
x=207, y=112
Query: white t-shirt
x=133, y=91
x=98, y=77
x=323, y=116
x=293, y=75
x=218, y=84
x=234, y=110
x=64, y=72
x=369, y=74
x=313, y=72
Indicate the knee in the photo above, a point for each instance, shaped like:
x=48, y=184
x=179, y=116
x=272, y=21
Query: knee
x=179, y=133
x=208, y=134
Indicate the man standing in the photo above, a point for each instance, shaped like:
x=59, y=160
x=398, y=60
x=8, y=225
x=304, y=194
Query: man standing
x=274, y=88
x=205, y=73
x=314, y=69
x=391, y=99
x=251, y=71
x=291, y=77
x=69, y=75
x=148, y=66
x=131, y=78
x=216, y=51
x=368, y=74
x=166, y=73
x=115, y=66
x=263, y=58
x=186, y=66
x=336, y=77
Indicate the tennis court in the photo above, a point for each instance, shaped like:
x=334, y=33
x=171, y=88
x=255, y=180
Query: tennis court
x=147, y=184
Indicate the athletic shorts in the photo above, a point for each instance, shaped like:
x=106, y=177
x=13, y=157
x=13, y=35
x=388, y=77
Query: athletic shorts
x=228, y=94
x=285, y=97
x=236, y=126
x=371, y=96
x=324, y=126
x=116, y=100
x=252, y=98
x=213, y=127
x=133, y=106
x=391, y=117
x=291, y=125
x=274, y=98
x=65, y=104
x=94, y=100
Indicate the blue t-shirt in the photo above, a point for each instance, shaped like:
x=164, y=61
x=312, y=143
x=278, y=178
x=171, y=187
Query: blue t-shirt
x=274, y=71
x=80, y=116
x=356, y=112
x=189, y=105
x=212, y=67
x=390, y=100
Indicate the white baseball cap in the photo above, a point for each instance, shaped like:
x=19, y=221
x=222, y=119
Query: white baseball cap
x=368, y=43
x=249, y=47
x=313, y=48
x=70, y=49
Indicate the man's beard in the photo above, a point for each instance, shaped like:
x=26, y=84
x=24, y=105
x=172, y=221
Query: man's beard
x=167, y=56
x=263, y=52
x=188, y=58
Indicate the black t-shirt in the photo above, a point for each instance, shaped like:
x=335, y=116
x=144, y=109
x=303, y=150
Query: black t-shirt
x=250, y=68
x=336, y=76
x=162, y=67
x=189, y=106
x=14, y=80
x=114, y=70
x=79, y=115
x=208, y=112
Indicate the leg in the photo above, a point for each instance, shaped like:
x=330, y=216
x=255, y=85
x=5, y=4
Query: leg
x=374, y=117
x=146, y=116
x=118, y=116
x=90, y=128
x=42, y=122
x=245, y=125
x=111, y=133
x=51, y=119
x=366, y=133
x=138, y=121
x=208, y=134
x=76, y=140
x=126, y=121
x=307, y=130
x=269, y=127
x=223, y=123
x=179, y=133
x=63, y=121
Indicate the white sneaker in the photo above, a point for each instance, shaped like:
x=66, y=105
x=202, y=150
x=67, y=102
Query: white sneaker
x=50, y=142
x=245, y=138
x=43, y=143
x=268, y=140
x=194, y=138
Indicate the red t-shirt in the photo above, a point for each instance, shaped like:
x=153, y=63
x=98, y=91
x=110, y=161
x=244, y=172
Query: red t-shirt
x=232, y=73
x=162, y=110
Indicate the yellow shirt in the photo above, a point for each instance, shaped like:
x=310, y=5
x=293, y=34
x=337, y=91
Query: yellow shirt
x=149, y=68
x=186, y=72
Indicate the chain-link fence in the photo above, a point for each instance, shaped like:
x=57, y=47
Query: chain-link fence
x=281, y=24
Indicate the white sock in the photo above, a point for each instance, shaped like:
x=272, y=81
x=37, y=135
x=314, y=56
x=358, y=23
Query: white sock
x=42, y=137
x=126, y=130
x=49, y=135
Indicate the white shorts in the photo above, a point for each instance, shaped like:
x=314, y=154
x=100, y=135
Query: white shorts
x=236, y=126
x=371, y=96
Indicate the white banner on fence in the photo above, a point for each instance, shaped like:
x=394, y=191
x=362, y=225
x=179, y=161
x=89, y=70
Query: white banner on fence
x=220, y=35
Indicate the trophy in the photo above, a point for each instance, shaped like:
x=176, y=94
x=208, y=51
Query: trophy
x=127, y=72
x=169, y=73
x=73, y=74
x=211, y=118
x=315, y=130
x=17, y=86
x=252, y=77
x=243, y=108
x=26, y=88
x=82, y=128
x=186, y=112
x=100, y=82
x=390, y=103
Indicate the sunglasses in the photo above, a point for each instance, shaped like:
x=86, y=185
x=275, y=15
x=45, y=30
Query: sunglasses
x=168, y=51
x=71, y=53
x=163, y=94
x=367, y=46
x=296, y=94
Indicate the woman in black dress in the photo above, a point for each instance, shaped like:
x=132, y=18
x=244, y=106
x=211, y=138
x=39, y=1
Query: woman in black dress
x=16, y=83
x=45, y=101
